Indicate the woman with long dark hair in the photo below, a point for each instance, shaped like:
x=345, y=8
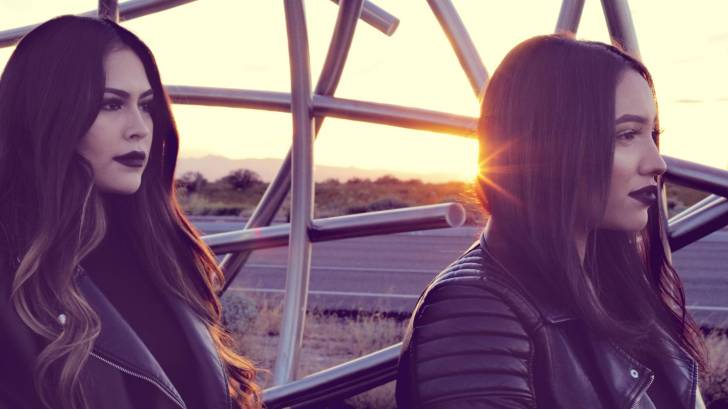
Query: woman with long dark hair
x=108, y=294
x=569, y=299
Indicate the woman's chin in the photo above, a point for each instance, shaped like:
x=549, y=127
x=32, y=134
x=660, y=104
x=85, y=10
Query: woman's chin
x=120, y=187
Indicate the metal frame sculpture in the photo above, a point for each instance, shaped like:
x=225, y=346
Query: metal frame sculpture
x=309, y=109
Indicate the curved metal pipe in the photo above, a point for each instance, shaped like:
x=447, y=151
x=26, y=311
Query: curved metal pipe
x=339, y=46
x=277, y=190
x=621, y=27
x=461, y=43
x=109, y=9
x=697, y=176
x=386, y=114
x=698, y=224
x=569, y=16
x=416, y=218
x=378, y=18
x=340, y=381
x=708, y=201
x=127, y=11
x=302, y=196
x=394, y=115
x=229, y=97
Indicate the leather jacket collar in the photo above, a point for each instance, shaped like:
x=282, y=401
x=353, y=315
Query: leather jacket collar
x=120, y=347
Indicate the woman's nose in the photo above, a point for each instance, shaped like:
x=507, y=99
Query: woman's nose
x=138, y=124
x=652, y=162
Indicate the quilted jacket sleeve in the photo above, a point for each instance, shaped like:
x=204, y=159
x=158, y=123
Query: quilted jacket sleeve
x=466, y=349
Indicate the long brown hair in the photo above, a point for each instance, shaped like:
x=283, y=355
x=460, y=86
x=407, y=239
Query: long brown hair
x=51, y=216
x=546, y=148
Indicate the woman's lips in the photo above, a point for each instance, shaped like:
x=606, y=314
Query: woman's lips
x=134, y=159
x=646, y=195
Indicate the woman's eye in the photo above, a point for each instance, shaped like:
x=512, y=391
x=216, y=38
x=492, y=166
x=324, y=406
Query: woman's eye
x=112, y=105
x=627, y=136
x=147, y=106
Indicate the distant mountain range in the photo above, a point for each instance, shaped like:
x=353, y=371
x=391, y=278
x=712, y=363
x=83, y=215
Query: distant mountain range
x=214, y=167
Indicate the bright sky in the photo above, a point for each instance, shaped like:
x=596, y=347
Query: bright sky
x=242, y=44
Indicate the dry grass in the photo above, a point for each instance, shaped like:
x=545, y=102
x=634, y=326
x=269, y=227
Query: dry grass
x=328, y=340
x=714, y=383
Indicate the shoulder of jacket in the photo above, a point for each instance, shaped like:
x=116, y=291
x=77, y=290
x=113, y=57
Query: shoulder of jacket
x=475, y=276
x=469, y=341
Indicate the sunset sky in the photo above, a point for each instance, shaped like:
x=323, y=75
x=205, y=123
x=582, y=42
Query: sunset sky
x=242, y=44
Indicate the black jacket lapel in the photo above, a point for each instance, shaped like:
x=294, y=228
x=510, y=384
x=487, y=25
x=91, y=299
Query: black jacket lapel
x=118, y=344
x=212, y=376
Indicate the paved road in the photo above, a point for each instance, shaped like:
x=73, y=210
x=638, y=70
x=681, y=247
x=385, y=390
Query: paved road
x=389, y=272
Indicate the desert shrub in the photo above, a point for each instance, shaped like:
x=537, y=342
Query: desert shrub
x=330, y=182
x=381, y=397
x=357, y=181
x=241, y=179
x=386, y=204
x=413, y=182
x=714, y=382
x=191, y=182
x=356, y=209
x=225, y=211
x=386, y=180
x=238, y=312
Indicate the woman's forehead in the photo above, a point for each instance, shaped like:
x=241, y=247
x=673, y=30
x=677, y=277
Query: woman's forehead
x=634, y=97
x=125, y=71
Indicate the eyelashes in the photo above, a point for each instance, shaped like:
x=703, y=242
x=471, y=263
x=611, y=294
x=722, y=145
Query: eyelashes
x=631, y=134
x=111, y=104
x=115, y=104
x=657, y=132
x=627, y=135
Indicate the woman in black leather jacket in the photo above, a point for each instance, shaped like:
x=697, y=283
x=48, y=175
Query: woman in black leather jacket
x=569, y=299
x=107, y=294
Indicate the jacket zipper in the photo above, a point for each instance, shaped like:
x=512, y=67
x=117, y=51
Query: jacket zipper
x=643, y=392
x=694, y=382
x=225, y=376
x=140, y=376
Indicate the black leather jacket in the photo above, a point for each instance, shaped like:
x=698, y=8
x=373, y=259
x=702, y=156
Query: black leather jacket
x=476, y=340
x=121, y=373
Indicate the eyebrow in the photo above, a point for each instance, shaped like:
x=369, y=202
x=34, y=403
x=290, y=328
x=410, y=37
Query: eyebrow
x=630, y=118
x=125, y=94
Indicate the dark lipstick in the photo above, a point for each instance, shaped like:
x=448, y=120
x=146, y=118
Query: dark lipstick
x=133, y=159
x=646, y=195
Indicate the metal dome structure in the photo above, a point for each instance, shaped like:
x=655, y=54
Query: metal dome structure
x=309, y=106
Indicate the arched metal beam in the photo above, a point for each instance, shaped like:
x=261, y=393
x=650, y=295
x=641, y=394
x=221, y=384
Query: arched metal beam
x=620, y=25
x=461, y=43
x=302, y=197
x=109, y=9
x=569, y=16
x=342, y=227
x=703, y=218
x=127, y=11
x=385, y=114
x=340, y=381
x=697, y=176
x=378, y=18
